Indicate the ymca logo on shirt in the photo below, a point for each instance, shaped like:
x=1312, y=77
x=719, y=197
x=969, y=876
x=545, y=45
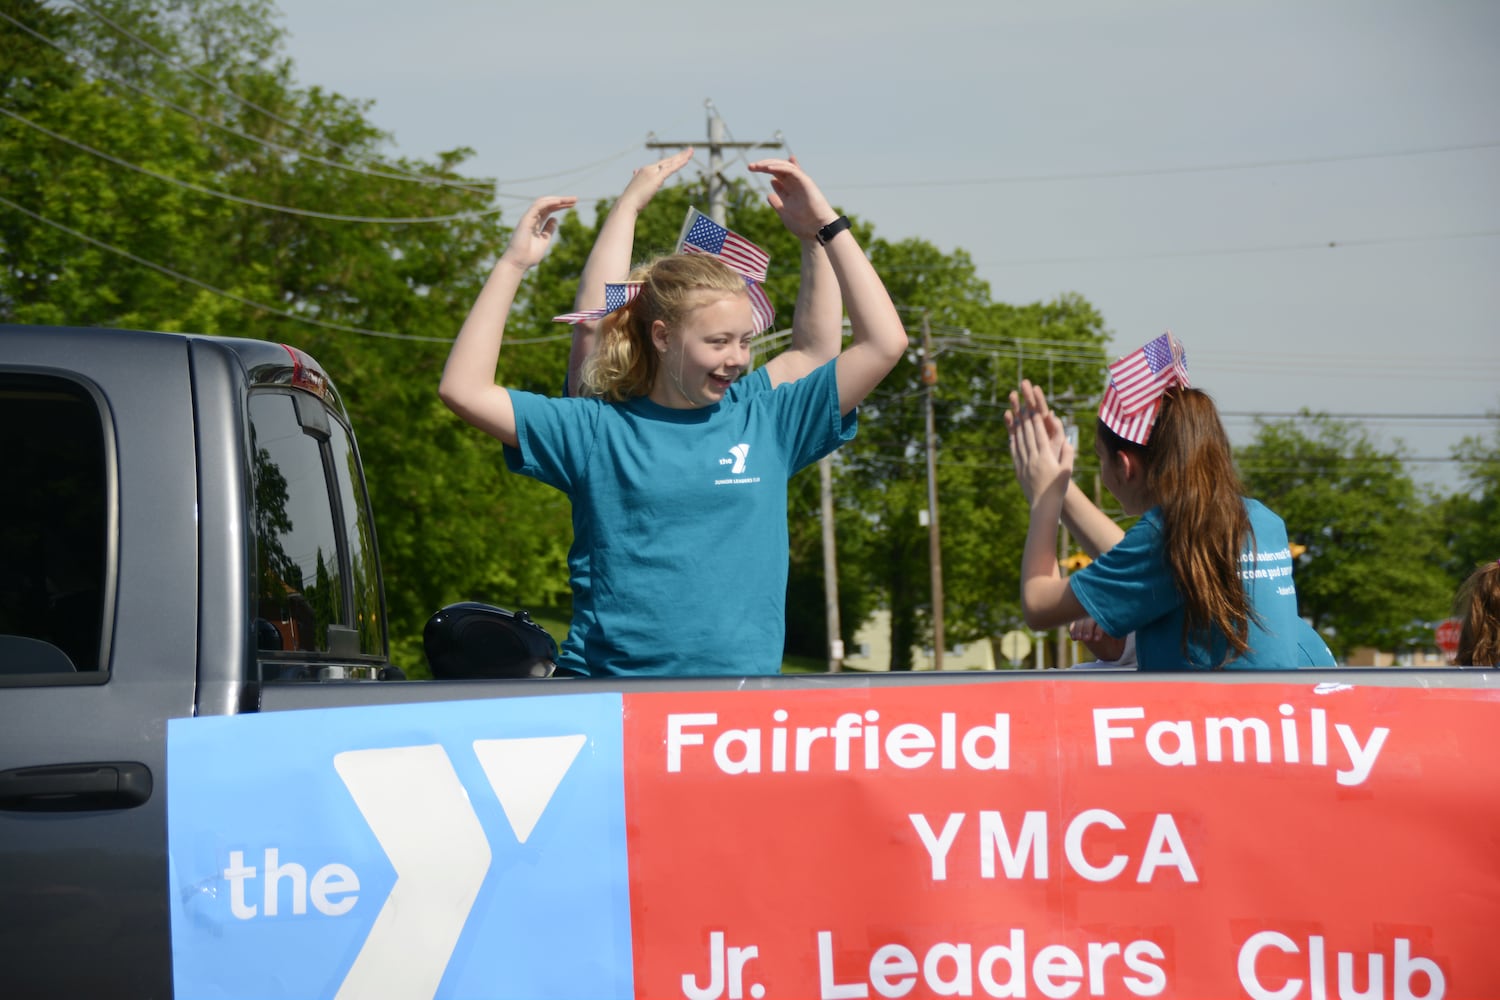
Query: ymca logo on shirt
x=739, y=456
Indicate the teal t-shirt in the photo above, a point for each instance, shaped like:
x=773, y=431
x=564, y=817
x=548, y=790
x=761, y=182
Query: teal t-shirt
x=1130, y=588
x=679, y=556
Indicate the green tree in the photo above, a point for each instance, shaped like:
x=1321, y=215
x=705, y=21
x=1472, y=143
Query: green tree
x=980, y=349
x=1471, y=515
x=162, y=168
x=167, y=172
x=1367, y=576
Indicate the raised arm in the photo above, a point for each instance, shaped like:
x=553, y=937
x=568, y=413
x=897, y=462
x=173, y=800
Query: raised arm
x=878, y=336
x=610, y=258
x=468, y=385
x=817, y=323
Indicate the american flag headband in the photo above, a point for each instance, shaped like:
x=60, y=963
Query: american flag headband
x=700, y=234
x=1137, y=383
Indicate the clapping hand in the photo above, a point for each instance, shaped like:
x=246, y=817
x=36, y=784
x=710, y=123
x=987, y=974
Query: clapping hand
x=1039, y=448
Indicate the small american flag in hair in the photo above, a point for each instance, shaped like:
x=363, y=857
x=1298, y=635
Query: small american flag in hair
x=1136, y=384
x=760, y=307
x=700, y=234
x=615, y=296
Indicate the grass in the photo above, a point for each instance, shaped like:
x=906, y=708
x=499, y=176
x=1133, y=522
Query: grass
x=804, y=665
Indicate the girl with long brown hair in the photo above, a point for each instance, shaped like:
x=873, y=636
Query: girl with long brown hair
x=1477, y=606
x=1204, y=577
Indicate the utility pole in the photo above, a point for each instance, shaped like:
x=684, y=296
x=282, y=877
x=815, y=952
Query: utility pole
x=717, y=143
x=935, y=549
x=830, y=570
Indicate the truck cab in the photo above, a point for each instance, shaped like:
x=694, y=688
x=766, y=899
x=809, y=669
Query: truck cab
x=184, y=518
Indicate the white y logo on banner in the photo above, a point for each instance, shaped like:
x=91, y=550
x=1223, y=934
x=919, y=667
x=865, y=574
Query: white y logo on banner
x=419, y=811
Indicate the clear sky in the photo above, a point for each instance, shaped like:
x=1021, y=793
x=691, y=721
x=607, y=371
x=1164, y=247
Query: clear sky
x=1307, y=192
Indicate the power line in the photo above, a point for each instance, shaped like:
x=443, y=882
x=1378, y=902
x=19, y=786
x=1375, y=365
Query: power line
x=127, y=33
x=973, y=266
x=1235, y=251
x=1373, y=417
x=252, y=303
x=1459, y=371
x=1288, y=363
x=1335, y=244
x=422, y=179
x=1309, y=414
x=947, y=463
x=764, y=343
x=951, y=458
x=595, y=165
x=1200, y=169
x=116, y=78
x=251, y=202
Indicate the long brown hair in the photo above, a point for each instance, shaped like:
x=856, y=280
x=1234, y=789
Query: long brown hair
x=1190, y=475
x=1477, y=606
x=624, y=363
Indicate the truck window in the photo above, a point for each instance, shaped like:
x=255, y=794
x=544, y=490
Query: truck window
x=53, y=528
x=317, y=588
x=364, y=556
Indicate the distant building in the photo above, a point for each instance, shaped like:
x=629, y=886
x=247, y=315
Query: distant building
x=1369, y=656
x=872, y=650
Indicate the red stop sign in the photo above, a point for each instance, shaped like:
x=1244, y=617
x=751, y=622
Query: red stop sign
x=1447, y=636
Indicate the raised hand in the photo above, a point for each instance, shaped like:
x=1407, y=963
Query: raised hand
x=1039, y=448
x=647, y=180
x=796, y=199
x=533, y=234
x=1027, y=402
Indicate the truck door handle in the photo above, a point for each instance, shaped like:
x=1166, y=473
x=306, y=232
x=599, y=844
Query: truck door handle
x=75, y=787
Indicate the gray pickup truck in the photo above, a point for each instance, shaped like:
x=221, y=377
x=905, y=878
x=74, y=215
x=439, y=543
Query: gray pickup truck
x=183, y=526
x=186, y=549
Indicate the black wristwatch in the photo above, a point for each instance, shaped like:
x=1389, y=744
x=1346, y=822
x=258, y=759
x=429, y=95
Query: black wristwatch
x=831, y=230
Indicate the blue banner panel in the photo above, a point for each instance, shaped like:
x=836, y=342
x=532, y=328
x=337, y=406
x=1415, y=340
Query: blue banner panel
x=451, y=850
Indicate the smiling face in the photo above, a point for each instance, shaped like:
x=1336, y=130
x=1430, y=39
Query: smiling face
x=708, y=350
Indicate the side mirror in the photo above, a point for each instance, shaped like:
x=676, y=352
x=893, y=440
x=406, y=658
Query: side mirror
x=469, y=640
x=267, y=636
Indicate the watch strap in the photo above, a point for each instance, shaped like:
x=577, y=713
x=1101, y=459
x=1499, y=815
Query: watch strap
x=831, y=230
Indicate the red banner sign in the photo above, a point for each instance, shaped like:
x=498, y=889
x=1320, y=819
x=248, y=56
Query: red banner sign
x=1046, y=839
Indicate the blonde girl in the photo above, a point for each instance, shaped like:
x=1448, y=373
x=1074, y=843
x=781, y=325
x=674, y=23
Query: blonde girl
x=676, y=474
